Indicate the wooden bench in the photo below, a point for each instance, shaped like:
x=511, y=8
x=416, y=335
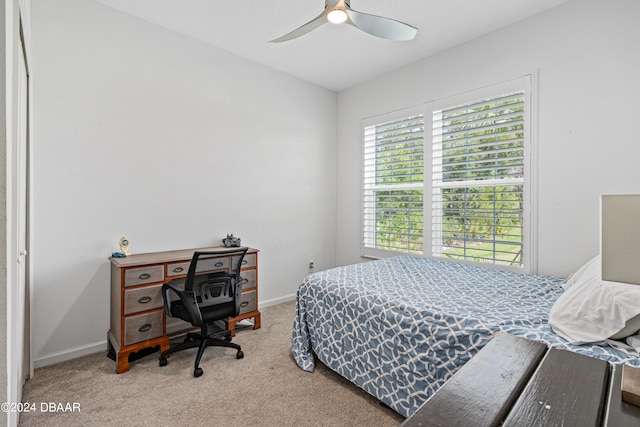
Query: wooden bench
x=513, y=381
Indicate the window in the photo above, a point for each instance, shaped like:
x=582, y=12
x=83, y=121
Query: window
x=451, y=179
x=394, y=184
x=477, y=180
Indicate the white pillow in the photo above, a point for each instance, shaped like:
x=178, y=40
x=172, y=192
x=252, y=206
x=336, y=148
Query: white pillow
x=588, y=270
x=630, y=328
x=592, y=310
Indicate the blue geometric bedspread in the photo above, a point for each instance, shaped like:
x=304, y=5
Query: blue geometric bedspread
x=400, y=327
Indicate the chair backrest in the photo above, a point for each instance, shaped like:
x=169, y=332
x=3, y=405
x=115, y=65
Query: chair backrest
x=211, y=285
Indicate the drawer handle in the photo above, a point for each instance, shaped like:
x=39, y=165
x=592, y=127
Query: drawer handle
x=244, y=304
x=219, y=264
x=145, y=327
x=178, y=270
x=244, y=261
x=144, y=300
x=144, y=276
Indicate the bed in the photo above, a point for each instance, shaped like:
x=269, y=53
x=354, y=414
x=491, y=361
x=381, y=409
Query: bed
x=400, y=327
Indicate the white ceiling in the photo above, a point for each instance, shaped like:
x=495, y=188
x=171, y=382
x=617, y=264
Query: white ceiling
x=332, y=56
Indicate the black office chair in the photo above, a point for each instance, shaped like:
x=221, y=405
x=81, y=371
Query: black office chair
x=205, y=296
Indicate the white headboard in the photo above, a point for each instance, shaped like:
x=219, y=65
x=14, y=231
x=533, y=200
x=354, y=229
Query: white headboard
x=620, y=237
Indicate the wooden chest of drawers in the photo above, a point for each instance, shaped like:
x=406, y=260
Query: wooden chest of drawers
x=516, y=382
x=138, y=319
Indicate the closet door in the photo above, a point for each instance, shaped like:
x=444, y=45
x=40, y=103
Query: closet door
x=21, y=185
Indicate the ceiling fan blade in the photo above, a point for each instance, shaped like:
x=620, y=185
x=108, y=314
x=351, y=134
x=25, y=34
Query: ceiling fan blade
x=379, y=26
x=306, y=28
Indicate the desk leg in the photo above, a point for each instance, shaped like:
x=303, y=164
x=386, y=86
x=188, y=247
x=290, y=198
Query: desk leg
x=122, y=362
x=122, y=355
x=256, y=321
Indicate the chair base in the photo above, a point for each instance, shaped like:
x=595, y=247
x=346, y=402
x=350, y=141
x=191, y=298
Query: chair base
x=193, y=340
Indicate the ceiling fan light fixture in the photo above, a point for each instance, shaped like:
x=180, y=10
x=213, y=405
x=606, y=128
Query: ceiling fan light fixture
x=337, y=16
x=340, y=12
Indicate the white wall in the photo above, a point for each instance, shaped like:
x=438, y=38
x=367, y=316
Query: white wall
x=138, y=132
x=587, y=56
x=145, y=133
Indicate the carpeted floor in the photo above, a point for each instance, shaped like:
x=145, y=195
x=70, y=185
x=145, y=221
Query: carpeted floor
x=266, y=388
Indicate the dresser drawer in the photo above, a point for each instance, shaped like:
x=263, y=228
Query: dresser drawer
x=142, y=299
x=212, y=264
x=250, y=275
x=207, y=264
x=142, y=275
x=177, y=268
x=248, y=261
x=143, y=327
x=248, y=302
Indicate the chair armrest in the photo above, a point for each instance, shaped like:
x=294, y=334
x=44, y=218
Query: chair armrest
x=237, y=296
x=240, y=284
x=188, y=299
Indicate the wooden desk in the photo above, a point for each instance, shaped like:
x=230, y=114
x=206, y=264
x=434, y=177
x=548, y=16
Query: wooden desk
x=517, y=382
x=138, y=319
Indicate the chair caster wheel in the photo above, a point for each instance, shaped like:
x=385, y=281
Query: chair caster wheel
x=198, y=372
x=163, y=362
x=240, y=354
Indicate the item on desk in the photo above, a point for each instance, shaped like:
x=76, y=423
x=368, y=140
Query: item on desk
x=118, y=255
x=631, y=385
x=231, y=241
x=124, y=246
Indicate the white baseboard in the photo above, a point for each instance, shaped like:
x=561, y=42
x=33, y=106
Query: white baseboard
x=71, y=353
x=276, y=301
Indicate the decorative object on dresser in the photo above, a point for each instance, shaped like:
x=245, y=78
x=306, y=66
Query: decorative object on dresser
x=231, y=241
x=205, y=296
x=124, y=246
x=630, y=386
x=138, y=321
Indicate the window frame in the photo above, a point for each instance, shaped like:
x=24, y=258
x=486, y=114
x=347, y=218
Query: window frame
x=367, y=251
x=528, y=84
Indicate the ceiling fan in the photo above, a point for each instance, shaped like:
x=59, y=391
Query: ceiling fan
x=339, y=12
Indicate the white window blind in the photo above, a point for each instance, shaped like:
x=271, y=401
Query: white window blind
x=452, y=178
x=394, y=185
x=478, y=175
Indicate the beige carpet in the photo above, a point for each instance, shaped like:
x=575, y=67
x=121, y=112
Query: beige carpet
x=266, y=388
